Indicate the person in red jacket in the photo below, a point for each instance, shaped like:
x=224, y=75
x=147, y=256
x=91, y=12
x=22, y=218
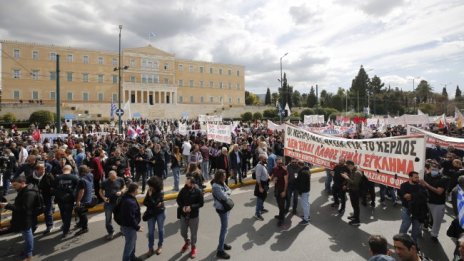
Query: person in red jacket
x=98, y=173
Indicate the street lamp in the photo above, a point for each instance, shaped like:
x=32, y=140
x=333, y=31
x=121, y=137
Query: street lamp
x=282, y=103
x=119, y=68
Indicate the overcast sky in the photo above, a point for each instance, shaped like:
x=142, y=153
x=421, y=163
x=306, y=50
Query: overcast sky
x=326, y=40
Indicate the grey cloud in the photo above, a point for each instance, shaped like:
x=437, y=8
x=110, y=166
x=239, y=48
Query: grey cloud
x=301, y=14
x=381, y=7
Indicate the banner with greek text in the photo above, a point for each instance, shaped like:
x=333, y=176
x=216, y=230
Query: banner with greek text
x=386, y=161
x=220, y=133
x=433, y=139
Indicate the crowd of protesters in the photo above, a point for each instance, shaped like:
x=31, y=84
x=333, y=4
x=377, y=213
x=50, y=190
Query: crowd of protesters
x=93, y=165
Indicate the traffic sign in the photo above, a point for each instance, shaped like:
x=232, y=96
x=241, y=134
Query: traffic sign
x=119, y=112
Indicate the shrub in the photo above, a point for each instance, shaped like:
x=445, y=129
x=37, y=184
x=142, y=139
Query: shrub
x=257, y=116
x=41, y=118
x=270, y=113
x=9, y=117
x=247, y=116
x=306, y=112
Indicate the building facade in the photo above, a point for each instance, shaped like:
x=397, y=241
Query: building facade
x=88, y=78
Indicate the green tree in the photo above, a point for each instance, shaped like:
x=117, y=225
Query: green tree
x=358, y=90
x=458, y=93
x=270, y=113
x=444, y=93
x=9, y=117
x=251, y=98
x=285, y=93
x=42, y=117
x=274, y=98
x=296, y=98
x=423, y=91
x=306, y=112
x=312, y=99
x=247, y=116
x=267, y=100
x=257, y=116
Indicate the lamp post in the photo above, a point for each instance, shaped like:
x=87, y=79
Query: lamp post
x=282, y=103
x=119, y=81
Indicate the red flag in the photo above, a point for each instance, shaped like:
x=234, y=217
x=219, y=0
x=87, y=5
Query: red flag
x=36, y=135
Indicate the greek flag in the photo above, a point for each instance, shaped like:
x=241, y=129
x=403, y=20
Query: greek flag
x=113, y=109
x=460, y=203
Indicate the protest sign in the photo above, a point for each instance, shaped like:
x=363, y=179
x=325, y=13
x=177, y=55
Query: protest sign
x=433, y=139
x=386, y=161
x=220, y=133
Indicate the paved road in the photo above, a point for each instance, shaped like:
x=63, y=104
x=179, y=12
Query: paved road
x=328, y=237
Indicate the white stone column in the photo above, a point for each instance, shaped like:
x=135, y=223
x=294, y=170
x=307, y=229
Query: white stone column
x=165, y=97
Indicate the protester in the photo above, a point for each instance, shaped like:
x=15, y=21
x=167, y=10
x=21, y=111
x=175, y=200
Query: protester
x=110, y=190
x=378, y=248
x=23, y=213
x=83, y=198
x=292, y=192
x=155, y=213
x=236, y=159
x=303, y=182
x=176, y=160
x=414, y=205
x=221, y=192
x=406, y=248
x=353, y=179
x=339, y=186
x=45, y=183
x=189, y=201
x=65, y=191
x=261, y=187
x=130, y=220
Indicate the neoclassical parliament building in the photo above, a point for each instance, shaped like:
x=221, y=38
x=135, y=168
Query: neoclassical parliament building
x=154, y=82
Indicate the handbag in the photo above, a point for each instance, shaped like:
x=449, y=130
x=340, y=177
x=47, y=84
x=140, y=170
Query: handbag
x=146, y=215
x=227, y=204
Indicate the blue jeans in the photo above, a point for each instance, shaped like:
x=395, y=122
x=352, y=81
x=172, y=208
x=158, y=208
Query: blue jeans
x=305, y=205
x=6, y=184
x=176, y=175
x=108, y=217
x=406, y=221
x=66, y=215
x=328, y=180
x=130, y=236
x=205, y=170
x=259, y=206
x=224, y=217
x=28, y=242
x=158, y=219
x=149, y=170
x=385, y=190
x=48, y=212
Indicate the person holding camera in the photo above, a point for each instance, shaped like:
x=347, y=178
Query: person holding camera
x=110, y=190
x=8, y=165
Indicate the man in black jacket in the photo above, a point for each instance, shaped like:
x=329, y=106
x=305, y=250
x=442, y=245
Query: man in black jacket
x=45, y=182
x=23, y=213
x=339, y=185
x=189, y=201
x=130, y=220
x=303, y=182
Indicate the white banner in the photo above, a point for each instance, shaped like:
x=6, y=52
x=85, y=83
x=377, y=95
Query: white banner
x=220, y=133
x=434, y=139
x=209, y=118
x=183, y=129
x=386, y=161
x=313, y=119
x=275, y=127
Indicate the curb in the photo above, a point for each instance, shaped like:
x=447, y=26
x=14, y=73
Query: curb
x=170, y=196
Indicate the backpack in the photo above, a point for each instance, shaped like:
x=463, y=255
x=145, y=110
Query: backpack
x=39, y=205
x=117, y=214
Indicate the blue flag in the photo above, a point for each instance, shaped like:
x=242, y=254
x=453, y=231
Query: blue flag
x=112, y=110
x=460, y=203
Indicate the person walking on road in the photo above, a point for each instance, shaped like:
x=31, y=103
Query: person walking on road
x=303, y=182
x=280, y=177
x=221, y=192
x=110, y=190
x=24, y=213
x=65, y=191
x=189, y=201
x=353, y=179
x=155, y=213
x=261, y=187
x=130, y=220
